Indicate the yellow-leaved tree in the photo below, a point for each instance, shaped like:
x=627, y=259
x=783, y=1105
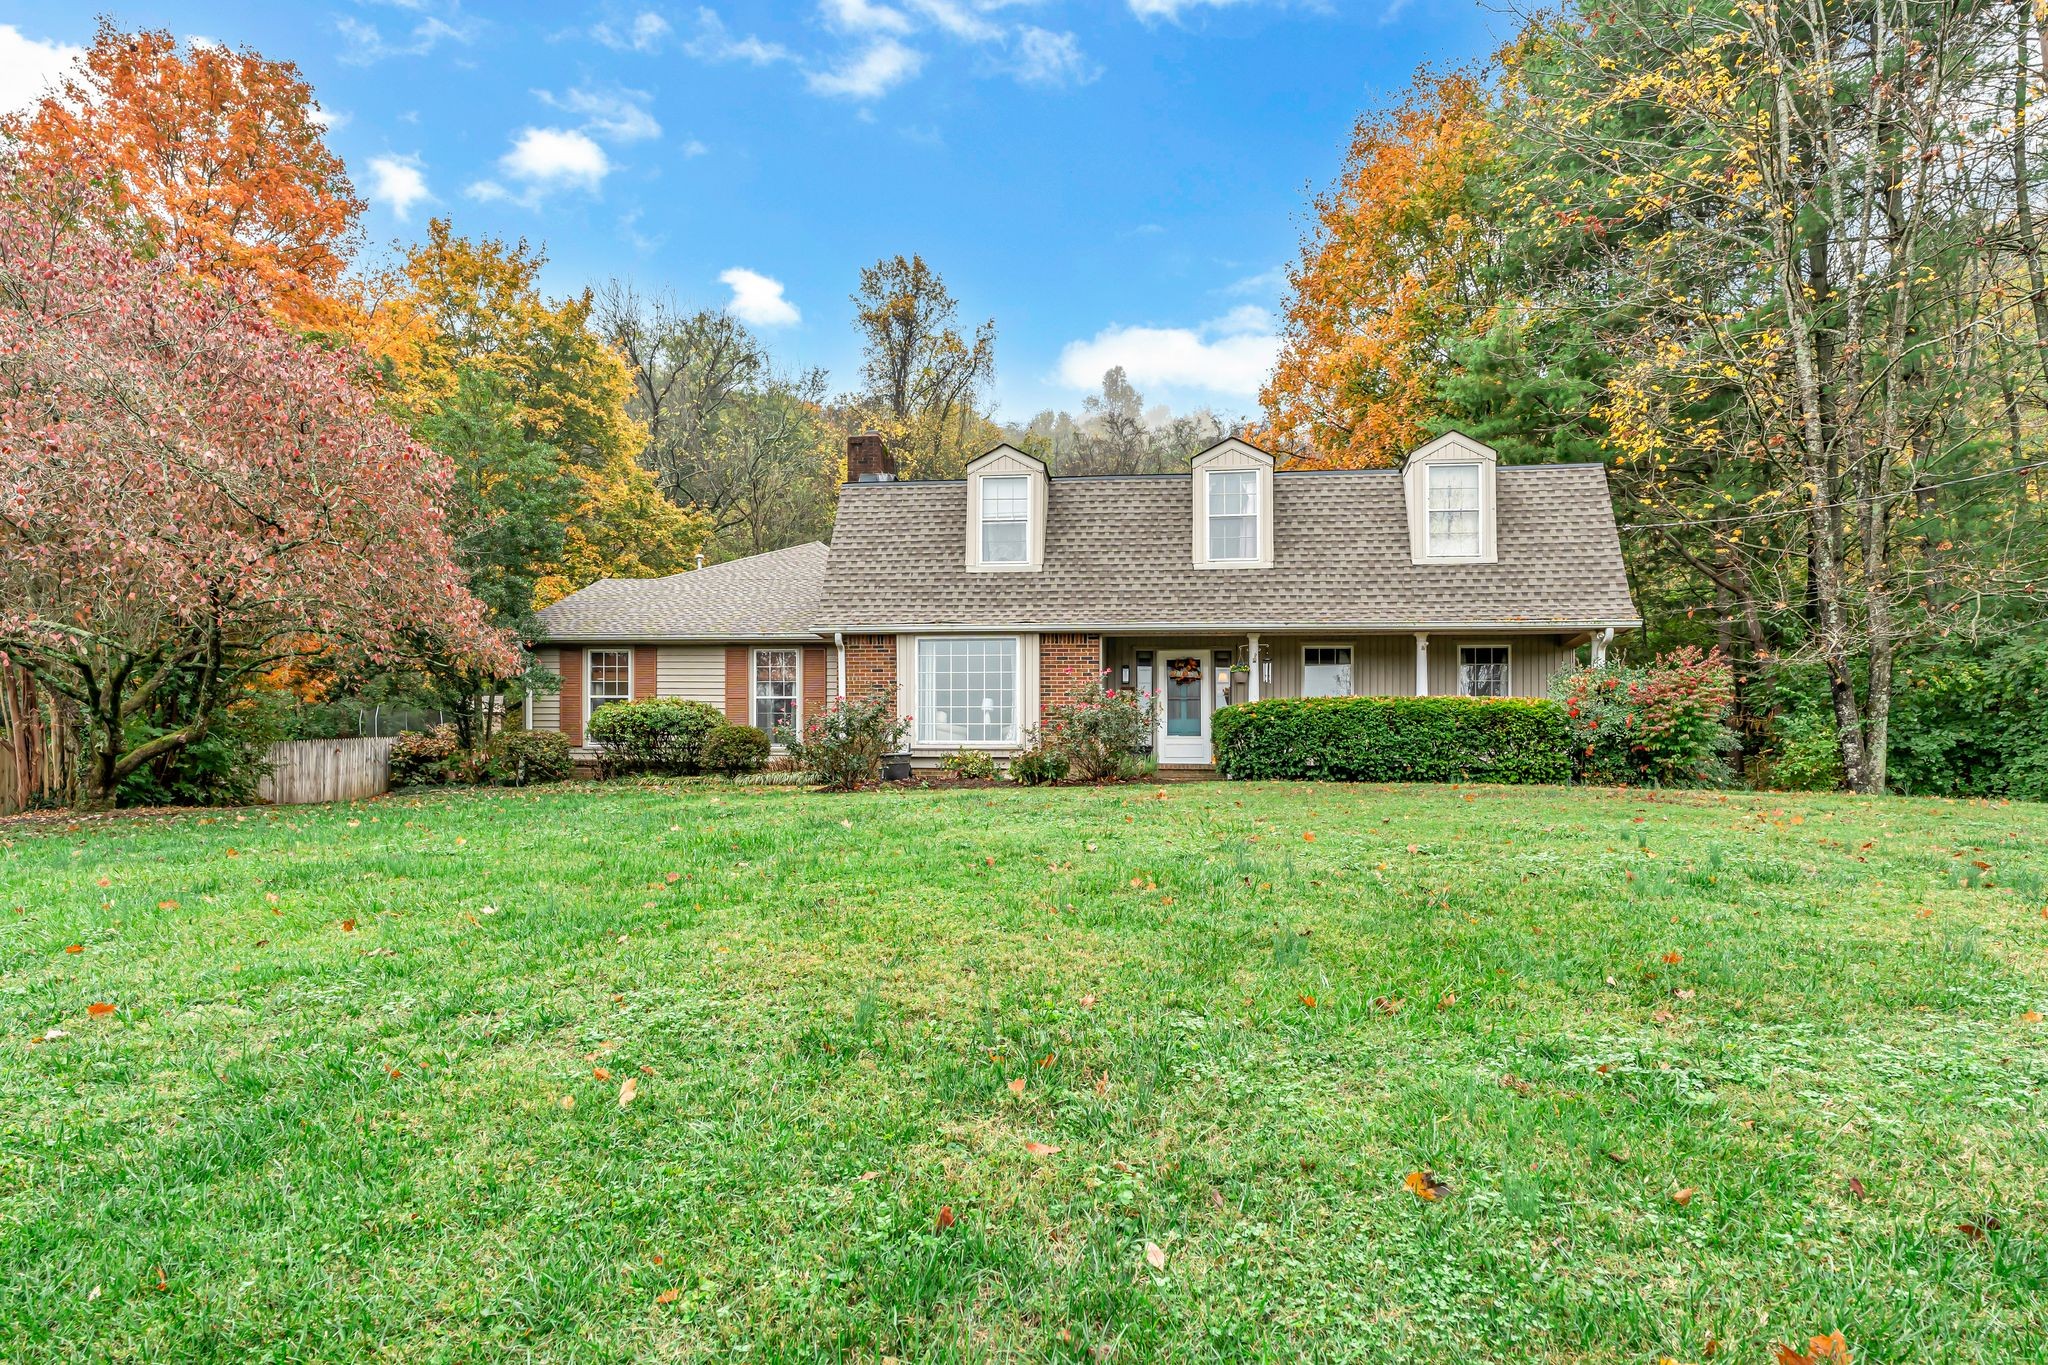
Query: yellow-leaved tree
x=454, y=304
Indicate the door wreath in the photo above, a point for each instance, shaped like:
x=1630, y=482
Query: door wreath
x=1184, y=670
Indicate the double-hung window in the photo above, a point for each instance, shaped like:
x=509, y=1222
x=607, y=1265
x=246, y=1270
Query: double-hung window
x=611, y=679
x=1233, y=514
x=775, y=680
x=1005, y=519
x=967, y=690
x=1326, y=671
x=1483, y=671
x=1453, y=510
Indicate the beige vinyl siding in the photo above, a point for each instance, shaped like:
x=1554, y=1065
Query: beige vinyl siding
x=692, y=673
x=1533, y=660
x=1381, y=665
x=547, y=709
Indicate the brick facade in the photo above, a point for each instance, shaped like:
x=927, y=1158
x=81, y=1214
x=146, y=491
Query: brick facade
x=870, y=665
x=571, y=696
x=1066, y=665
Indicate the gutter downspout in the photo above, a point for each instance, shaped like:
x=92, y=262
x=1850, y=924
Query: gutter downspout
x=839, y=643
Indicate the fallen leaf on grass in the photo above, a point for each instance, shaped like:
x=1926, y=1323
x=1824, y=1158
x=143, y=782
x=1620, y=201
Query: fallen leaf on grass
x=1424, y=1185
x=348, y=926
x=80, y=947
x=628, y=1091
x=568, y=1101
x=1155, y=1255
x=601, y=1073
x=1619, y=1158
x=1087, y=1002
x=668, y=1296
x=2030, y=1017
x=1673, y=958
x=1827, y=1350
x=869, y=1175
x=1684, y=1196
x=1856, y=1188
x=1039, y=1148
x=1976, y=1231
x=1309, y=1000
x=99, y=1008
x=1017, y=1086
x=945, y=1218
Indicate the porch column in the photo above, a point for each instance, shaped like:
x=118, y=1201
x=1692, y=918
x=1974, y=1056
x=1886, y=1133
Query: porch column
x=1421, y=663
x=1252, y=679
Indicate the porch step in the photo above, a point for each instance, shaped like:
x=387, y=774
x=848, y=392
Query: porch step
x=1186, y=772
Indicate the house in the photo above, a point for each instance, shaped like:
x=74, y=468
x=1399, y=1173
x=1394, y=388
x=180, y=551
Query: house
x=978, y=603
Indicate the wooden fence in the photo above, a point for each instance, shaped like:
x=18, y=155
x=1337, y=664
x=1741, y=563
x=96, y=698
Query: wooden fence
x=308, y=770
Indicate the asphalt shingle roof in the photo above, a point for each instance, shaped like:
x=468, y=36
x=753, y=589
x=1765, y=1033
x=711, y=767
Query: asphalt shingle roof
x=773, y=595
x=1117, y=556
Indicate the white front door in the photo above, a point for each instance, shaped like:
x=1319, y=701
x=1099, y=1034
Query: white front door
x=1186, y=678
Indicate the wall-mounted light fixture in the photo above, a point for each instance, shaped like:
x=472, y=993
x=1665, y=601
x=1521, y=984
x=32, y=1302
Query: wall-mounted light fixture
x=1123, y=676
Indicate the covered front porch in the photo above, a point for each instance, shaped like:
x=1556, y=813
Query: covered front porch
x=1194, y=673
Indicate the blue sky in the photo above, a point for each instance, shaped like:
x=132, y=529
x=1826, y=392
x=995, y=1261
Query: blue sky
x=1117, y=181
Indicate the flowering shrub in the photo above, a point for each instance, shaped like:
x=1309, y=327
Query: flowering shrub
x=421, y=758
x=1666, y=723
x=1038, y=765
x=844, y=747
x=1103, y=733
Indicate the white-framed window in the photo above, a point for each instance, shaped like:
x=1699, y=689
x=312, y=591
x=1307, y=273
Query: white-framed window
x=1326, y=671
x=1453, y=509
x=1482, y=670
x=608, y=677
x=967, y=690
x=1005, y=519
x=775, y=690
x=1233, y=514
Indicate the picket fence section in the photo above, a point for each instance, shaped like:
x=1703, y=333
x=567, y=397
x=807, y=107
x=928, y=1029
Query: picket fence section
x=304, y=771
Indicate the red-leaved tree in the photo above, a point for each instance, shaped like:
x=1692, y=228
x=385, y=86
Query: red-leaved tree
x=188, y=494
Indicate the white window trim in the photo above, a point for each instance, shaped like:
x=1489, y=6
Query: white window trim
x=1347, y=647
x=1507, y=678
x=754, y=689
x=983, y=521
x=590, y=693
x=1258, y=515
x=1452, y=449
x=1004, y=462
x=917, y=709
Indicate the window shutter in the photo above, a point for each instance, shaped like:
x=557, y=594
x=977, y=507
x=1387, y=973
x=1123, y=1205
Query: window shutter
x=645, y=666
x=739, y=685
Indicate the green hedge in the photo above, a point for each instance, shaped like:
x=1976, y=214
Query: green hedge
x=1395, y=739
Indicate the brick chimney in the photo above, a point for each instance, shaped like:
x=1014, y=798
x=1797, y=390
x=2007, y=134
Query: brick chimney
x=868, y=459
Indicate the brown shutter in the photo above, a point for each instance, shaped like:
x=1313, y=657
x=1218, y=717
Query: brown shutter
x=571, y=695
x=814, y=683
x=739, y=684
x=646, y=668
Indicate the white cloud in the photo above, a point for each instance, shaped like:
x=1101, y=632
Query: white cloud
x=870, y=74
x=644, y=34
x=29, y=67
x=328, y=119
x=1172, y=9
x=958, y=20
x=398, y=182
x=694, y=147
x=615, y=115
x=864, y=16
x=1265, y=284
x=715, y=43
x=1047, y=58
x=545, y=160
x=757, y=299
x=1230, y=355
x=367, y=43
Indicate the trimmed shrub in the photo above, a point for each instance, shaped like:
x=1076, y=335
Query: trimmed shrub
x=1038, y=765
x=735, y=749
x=970, y=764
x=521, y=758
x=844, y=747
x=1395, y=739
x=1103, y=734
x=661, y=735
x=426, y=758
x=1665, y=724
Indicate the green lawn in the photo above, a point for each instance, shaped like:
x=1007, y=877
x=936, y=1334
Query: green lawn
x=359, y=1094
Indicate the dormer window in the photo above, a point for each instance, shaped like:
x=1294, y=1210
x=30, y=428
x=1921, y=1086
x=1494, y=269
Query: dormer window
x=1232, y=495
x=1006, y=519
x=1453, y=510
x=1007, y=499
x=1449, y=486
x=1233, y=514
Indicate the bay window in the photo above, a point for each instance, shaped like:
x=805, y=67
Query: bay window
x=967, y=690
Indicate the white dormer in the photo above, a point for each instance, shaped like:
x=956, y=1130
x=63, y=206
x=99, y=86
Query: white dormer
x=1233, y=497
x=1006, y=512
x=1449, y=485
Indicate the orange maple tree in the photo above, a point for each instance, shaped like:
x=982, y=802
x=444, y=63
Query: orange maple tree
x=1388, y=265
x=219, y=156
